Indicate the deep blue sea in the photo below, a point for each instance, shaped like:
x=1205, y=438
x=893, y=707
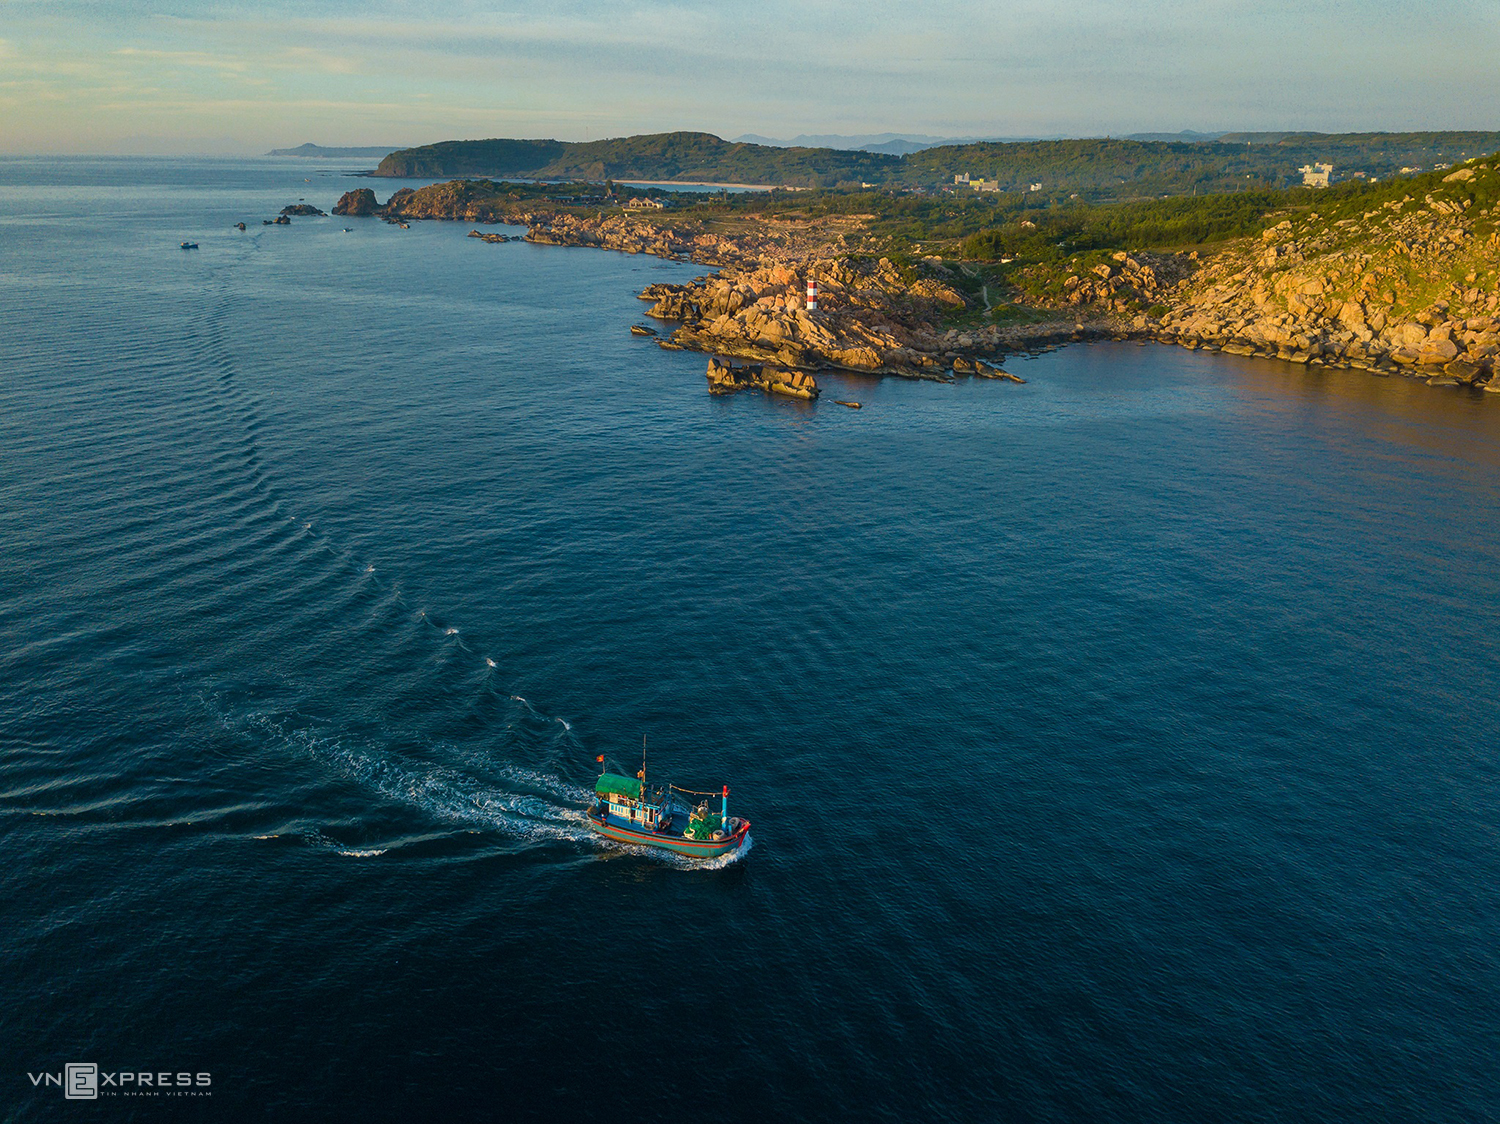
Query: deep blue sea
x=1119, y=747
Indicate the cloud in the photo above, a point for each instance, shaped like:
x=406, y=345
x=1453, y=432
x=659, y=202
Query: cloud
x=442, y=68
x=185, y=58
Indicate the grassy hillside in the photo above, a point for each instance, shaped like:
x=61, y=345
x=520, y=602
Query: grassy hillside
x=684, y=157
x=472, y=158
x=1100, y=168
x=1096, y=170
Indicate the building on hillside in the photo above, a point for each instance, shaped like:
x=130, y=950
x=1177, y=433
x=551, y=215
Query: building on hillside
x=1034, y=187
x=1316, y=175
x=977, y=183
x=640, y=204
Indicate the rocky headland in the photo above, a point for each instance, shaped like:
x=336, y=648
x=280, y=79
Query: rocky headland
x=1406, y=284
x=872, y=315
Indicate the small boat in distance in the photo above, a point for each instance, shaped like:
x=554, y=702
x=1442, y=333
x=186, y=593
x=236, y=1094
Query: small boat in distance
x=190, y=245
x=626, y=812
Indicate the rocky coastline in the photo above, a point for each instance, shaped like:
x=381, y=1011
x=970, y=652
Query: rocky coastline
x=872, y=316
x=869, y=318
x=1407, y=288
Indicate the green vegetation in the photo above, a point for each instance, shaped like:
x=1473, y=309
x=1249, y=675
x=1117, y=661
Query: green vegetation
x=1159, y=224
x=1103, y=168
x=684, y=157
x=999, y=247
x=1099, y=170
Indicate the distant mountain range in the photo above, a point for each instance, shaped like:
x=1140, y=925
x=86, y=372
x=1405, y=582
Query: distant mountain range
x=896, y=144
x=318, y=150
x=900, y=144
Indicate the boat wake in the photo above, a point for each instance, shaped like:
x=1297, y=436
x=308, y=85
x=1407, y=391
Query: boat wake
x=525, y=805
x=514, y=801
x=455, y=783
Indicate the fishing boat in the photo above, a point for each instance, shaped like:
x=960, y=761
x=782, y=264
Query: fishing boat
x=626, y=811
x=190, y=245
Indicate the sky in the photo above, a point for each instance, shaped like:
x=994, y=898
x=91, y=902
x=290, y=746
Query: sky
x=174, y=76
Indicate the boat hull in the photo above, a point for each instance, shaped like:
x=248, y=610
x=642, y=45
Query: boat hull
x=677, y=844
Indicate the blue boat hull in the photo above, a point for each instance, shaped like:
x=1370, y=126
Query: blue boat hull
x=678, y=844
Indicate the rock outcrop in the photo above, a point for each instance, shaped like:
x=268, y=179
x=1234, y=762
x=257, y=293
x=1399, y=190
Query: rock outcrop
x=870, y=317
x=1409, y=286
x=360, y=201
x=303, y=209
x=725, y=378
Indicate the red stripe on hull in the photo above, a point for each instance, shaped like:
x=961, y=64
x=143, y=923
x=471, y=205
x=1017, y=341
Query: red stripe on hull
x=693, y=848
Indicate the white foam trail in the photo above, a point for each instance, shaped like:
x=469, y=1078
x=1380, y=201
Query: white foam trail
x=566, y=725
x=520, y=802
x=546, y=782
x=461, y=798
x=722, y=861
x=450, y=632
x=317, y=838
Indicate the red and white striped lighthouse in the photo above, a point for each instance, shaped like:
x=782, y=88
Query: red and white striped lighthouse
x=812, y=295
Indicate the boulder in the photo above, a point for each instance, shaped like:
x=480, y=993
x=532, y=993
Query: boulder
x=1464, y=371
x=1438, y=352
x=303, y=209
x=725, y=378
x=1409, y=335
x=1352, y=314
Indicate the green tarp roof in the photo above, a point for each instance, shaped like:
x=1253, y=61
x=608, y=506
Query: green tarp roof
x=612, y=784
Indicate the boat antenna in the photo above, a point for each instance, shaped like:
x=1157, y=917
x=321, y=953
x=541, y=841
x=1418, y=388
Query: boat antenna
x=642, y=773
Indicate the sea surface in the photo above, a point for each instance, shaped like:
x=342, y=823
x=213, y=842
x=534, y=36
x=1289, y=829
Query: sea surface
x=1119, y=747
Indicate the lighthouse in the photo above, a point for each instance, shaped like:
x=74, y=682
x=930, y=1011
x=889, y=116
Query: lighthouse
x=812, y=295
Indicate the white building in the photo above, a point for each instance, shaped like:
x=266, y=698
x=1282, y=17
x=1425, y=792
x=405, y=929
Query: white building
x=1316, y=175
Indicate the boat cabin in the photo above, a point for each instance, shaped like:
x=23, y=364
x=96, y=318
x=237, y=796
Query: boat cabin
x=623, y=802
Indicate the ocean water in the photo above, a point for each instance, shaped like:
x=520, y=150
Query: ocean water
x=1119, y=746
